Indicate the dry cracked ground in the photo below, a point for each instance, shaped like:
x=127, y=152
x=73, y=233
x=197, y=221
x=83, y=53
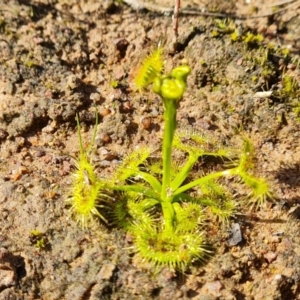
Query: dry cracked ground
x=62, y=57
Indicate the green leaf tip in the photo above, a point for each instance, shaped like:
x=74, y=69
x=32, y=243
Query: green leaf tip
x=259, y=188
x=151, y=67
x=131, y=163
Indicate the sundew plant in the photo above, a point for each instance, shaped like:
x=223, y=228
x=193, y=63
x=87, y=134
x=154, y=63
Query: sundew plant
x=163, y=203
x=87, y=194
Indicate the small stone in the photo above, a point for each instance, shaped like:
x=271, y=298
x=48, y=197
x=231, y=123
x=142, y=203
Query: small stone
x=270, y=256
x=66, y=168
x=95, y=97
x=17, y=173
x=106, y=271
x=48, y=94
x=106, y=138
x=272, y=30
x=104, y=111
x=146, y=122
x=127, y=106
x=213, y=288
x=48, y=129
x=236, y=235
x=73, y=82
x=8, y=275
x=277, y=277
x=3, y=134
x=105, y=163
x=291, y=66
x=38, y=40
x=104, y=154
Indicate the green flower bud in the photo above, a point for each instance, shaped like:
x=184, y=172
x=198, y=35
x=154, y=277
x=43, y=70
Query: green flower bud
x=172, y=86
x=172, y=89
x=157, y=85
x=181, y=72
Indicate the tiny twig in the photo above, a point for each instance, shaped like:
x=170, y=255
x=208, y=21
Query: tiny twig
x=175, y=18
x=138, y=5
x=280, y=3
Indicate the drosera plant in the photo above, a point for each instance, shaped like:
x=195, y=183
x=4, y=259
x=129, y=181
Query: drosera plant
x=88, y=190
x=165, y=208
x=163, y=203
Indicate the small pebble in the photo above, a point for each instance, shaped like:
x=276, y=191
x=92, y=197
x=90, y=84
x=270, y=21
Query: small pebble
x=95, y=97
x=270, y=256
x=40, y=153
x=106, y=271
x=48, y=129
x=146, y=122
x=236, y=235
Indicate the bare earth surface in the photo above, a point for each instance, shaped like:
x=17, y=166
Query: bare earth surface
x=62, y=57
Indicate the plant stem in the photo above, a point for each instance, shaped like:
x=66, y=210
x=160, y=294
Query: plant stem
x=182, y=175
x=166, y=194
x=169, y=216
x=205, y=179
x=170, y=126
x=148, y=192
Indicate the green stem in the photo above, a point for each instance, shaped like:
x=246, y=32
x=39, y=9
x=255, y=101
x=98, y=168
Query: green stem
x=155, y=184
x=206, y=178
x=169, y=216
x=148, y=192
x=170, y=126
x=183, y=174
